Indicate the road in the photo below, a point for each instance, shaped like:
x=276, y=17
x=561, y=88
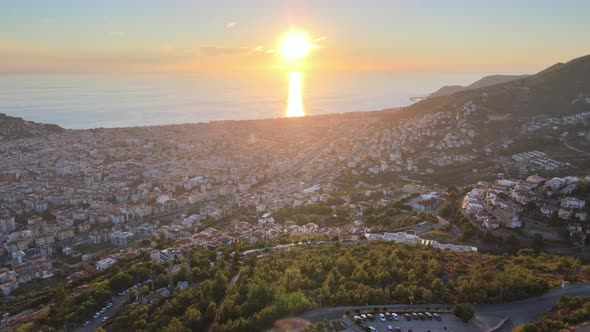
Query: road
x=118, y=302
x=566, y=144
x=530, y=309
x=518, y=312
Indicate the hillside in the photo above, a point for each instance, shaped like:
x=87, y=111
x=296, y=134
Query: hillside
x=482, y=83
x=13, y=128
x=559, y=89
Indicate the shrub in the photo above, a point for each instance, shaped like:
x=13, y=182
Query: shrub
x=465, y=311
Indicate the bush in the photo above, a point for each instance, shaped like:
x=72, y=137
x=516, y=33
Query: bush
x=525, y=328
x=465, y=311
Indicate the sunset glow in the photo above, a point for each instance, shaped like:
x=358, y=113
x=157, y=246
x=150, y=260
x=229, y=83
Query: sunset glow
x=294, y=46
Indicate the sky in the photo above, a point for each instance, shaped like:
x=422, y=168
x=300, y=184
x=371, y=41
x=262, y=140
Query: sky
x=240, y=36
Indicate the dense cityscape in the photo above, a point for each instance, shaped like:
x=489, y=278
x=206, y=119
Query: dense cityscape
x=76, y=202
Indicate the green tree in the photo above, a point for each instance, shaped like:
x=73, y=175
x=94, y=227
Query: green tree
x=121, y=281
x=193, y=318
x=210, y=312
x=175, y=325
x=525, y=328
x=219, y=285
x=465, y=311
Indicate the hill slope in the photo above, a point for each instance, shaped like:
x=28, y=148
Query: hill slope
x=486, y=81
x=13, y=128
x=557, y=90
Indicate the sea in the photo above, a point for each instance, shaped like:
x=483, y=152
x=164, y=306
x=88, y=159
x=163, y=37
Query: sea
x=81, y=101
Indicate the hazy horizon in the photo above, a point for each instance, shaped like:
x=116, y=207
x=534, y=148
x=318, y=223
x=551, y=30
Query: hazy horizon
x=81, y=101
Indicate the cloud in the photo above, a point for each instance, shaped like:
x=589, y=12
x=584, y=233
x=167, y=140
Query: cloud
x=216, y=50
x=262, y=49
x=231, y=25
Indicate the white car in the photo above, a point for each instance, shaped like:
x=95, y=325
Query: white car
x=105, y=318
x=394, y=315
x=86, y=323
x=96, y=315
x=372, y=329
x=110, y=304
x=382, y=317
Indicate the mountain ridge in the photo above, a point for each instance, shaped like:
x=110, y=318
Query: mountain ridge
x=559, y=89
x=481, y=83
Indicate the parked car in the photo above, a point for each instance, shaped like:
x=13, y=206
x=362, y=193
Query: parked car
x=105, y=318
x=358, y=319
x=96, y=315
x=86, y=323
x=415, y=316
x=370, y=317
x=421, y=315
x=389, y=328
x=428, y=315
x=364, y=317
x=437, y=316
x=372, y=329
x=408, y=317
x=394, y=316
x=382, y=317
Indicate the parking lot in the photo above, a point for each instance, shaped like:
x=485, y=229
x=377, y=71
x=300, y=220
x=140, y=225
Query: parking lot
x=448, y=322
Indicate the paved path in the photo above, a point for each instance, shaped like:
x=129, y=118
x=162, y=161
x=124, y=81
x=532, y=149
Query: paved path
x=222, y=301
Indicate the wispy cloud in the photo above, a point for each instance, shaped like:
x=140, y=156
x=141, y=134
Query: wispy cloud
x=263, y=49
x=216, y=50
x=231, y=25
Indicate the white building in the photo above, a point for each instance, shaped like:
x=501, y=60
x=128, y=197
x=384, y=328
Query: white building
x=121, y=239
x=7, y=224
x=104, y=264
x=572, y=202
x=162, y=256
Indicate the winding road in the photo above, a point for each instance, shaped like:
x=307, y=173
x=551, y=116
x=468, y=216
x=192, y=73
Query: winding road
x=518, y=312
x=567, y=145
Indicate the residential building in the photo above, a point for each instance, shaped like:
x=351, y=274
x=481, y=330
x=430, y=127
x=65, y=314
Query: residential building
x=104, y=264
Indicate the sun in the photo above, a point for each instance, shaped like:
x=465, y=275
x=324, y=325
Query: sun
x=294, y=46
